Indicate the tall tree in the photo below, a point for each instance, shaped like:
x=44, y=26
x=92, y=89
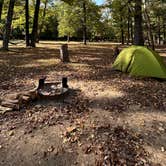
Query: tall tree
x=35, y=24
x=8, y=23
x=84, y=22
x=72, y=21
x=27, y=22
x=120, y=16
x=149, y=28
x=68, y=20
x=138, y=31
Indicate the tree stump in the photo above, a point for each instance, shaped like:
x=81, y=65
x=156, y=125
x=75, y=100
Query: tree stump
x=64, y=82
x=64, y=54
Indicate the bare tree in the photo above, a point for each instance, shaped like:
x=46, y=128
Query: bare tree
x=27, y=22
x=138, y=31
x=84, y=22
x=7, y=30
x=35, y=24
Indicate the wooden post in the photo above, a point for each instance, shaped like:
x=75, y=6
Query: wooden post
x=41, y=83
x=64, y=82
x=64, y=54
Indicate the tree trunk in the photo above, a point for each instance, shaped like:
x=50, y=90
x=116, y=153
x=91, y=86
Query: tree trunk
x=27, y=22
x=128, y=27
x=138, y=31
x=7, y=31
x=131, y=31
x=1, y=6
x=149, y=29
x=164, y=31
x=68, y=38
x=64, y=54
x=128, y=31
x=43, y=17
x=35, y=24
x=122, y=32
x=84, y=23
x=159, y=31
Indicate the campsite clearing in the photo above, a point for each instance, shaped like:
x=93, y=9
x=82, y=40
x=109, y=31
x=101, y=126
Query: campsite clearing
x=109, y=115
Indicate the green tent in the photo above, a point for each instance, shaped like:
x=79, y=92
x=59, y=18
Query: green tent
x=140, y=61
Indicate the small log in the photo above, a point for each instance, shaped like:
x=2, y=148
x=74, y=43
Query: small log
x=4, y=109
x=64, y=54
x=25, y=99
x=12, y=101
x=10, y=105
x=31, y=93
x=13, y=96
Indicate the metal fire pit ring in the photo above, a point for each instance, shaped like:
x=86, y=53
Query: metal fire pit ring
x=52, y=89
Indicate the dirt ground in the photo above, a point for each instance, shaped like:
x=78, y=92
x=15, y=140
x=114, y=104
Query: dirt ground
x=107, y=119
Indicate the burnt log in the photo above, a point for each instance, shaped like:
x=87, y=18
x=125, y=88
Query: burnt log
x=10, y=105
x=41, y=83
x=5, y=109
x=64, y=54
x=64, y=82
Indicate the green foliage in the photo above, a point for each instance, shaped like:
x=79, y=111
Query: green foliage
x=65, y=18
x=70, y=19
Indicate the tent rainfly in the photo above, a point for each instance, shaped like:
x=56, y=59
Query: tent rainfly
x=140, y=61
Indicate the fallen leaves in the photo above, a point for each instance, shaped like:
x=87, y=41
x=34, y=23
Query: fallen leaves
x=112, y=145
